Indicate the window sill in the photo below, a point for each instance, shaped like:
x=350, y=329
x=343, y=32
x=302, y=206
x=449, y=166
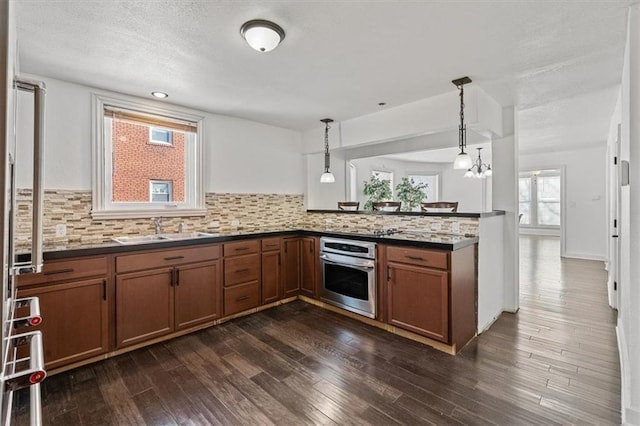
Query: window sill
x=135, y=214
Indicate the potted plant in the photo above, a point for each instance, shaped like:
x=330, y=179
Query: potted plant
x=377, y=190
x=410, y=193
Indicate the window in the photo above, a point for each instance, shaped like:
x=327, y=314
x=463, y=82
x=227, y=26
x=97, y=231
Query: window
x=161, y=136
x=432, y=185
x=539, y=198
x=135, y=174
x=160, y=190
x=384, y=176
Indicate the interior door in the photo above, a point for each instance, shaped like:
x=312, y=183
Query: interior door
x=614, y=262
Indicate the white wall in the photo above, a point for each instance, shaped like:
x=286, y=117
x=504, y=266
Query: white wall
x=241, y=156
x=584, y=205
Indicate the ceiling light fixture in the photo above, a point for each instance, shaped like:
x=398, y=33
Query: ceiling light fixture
x=160, y=95
x=327, y=176
x=479, y=169
x=463, y=160
x=262, y=35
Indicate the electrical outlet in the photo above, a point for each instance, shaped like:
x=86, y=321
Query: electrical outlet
x=235, y=222
x=214, y=224
x=61, y=230
x=327, y=221
x=455, y=227
x=436, y=226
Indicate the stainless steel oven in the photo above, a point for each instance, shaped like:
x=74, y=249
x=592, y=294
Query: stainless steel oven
x=349, y=275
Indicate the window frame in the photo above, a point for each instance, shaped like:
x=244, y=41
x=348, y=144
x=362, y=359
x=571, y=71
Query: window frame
x=102, y=206
x=436, y=188
x=159, y=142
x=169, y=184
x=533, y=198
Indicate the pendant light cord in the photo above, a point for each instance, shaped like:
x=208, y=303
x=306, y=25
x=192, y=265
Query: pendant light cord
x=327, y=160
x=462, y=134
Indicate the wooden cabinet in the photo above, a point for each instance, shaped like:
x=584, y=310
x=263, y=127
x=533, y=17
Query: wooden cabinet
x=419, y=300
x=169, y=293
x=242, y=272
x=308, y=266
x=271, y=275
x=74, y=305
x=432, y=293
x=290, y=267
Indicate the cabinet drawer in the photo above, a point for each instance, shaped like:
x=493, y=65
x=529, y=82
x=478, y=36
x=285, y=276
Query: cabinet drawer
x=241, y=297
x=271, y=244
x=66, y=270
x=420, y=257
x=138, y=262
x=241, y=269
x=241, y=247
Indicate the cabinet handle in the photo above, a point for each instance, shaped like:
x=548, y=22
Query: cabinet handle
x=239, y=271
x=271, y=245
x=177, y=276
x=59, y=271
x=311, y=246
x=414, y=257
x=173, y=277
x=388, y=273
x=104, y=289
x=174, y=258
x=278, y=259
x=241, y=298
x=242, y=248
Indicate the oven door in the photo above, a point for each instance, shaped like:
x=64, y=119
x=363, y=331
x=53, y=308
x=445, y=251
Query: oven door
x=349, y=283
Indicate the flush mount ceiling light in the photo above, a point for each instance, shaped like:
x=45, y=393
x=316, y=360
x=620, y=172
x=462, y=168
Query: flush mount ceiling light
x=463, y=160
x=160, y=95
x=479, y=169
x=327, y=176
x=262, y=35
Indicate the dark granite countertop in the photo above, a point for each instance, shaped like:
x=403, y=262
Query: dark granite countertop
x=93, y=248
x=441, y=214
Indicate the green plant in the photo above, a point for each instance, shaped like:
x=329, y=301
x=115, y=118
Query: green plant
x=410, y=193
x=377, y=190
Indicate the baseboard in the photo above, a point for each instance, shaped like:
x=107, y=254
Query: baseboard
x=584, y=256
x=488, y=324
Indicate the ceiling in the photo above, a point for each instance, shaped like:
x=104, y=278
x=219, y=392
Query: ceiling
x=559, y=62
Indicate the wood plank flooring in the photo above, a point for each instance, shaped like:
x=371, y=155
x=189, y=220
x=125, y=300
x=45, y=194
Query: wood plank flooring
x=555, y=362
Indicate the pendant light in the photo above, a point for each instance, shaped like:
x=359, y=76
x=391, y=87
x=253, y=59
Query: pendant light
x=463, y=160
x=327, y=176
x=479, y=169
x=262, y=35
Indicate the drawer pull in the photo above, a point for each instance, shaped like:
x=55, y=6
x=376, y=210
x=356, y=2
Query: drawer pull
x=59, y=271
x=104, y=289
x=241, y=248
x=241, y=298
x=271, y=245
x=414, y=257
x=174, y=258
x=177, y=277
x=239, y=271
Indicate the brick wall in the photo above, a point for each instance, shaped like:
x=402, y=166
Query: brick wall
x=137, y=161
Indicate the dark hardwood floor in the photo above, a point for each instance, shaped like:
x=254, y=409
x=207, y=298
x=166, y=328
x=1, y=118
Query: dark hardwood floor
x=555, y=362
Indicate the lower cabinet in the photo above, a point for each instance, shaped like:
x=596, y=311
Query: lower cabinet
x=75, y=325
x=181, y=291
x=308, y=265
x=418, y=300
x=291, y=267
x=271, y=277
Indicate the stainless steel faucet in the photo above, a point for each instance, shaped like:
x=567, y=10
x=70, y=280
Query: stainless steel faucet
x=157, y=222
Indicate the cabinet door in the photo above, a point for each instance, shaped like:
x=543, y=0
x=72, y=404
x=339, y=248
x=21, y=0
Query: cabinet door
x=419, y=300
x=308, y=266
x=198, y=295
x=75, y=320
x=291, y=267
x=271, y=277
x=144, y=306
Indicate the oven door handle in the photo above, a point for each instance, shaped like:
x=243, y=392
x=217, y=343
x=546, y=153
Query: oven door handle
x=326, y=259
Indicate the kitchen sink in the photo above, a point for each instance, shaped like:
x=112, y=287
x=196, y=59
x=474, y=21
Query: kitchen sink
x=143, y=239
x=140, y=239
x=187, y=235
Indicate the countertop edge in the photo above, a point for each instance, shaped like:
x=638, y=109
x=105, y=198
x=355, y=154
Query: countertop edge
x=436, y=214
x=116, y=248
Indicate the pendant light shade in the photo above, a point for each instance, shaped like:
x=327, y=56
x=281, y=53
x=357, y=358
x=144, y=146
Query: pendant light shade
x=463, y=160
x=327, y=176
x=262, y=35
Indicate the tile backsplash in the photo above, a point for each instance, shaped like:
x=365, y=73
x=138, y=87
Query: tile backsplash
x=72, y=209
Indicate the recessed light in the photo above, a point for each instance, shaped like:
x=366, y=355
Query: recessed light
x=160, y=95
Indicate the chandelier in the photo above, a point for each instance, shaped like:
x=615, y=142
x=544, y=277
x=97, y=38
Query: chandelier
x=479, y=169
